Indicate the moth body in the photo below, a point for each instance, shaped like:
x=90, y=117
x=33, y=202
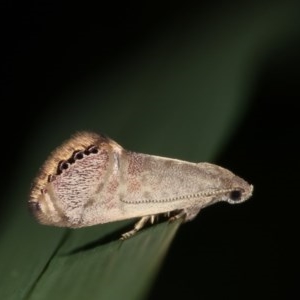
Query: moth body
x=92, y=180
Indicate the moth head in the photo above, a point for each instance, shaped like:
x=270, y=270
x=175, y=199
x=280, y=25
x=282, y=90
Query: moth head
x=69, y=178
x=223, y=185
x=240, y=191
x=238, y=195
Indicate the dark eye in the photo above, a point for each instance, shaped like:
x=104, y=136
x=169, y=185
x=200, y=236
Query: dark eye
x=78, y=155
x=235, y=195
x=71, y=160
x=63, y=165
x=93, y=149
x=87, y=152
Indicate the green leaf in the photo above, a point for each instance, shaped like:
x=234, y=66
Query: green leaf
x=120, y=269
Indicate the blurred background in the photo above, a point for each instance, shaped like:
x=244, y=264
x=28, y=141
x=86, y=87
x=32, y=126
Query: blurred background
x=204, y=81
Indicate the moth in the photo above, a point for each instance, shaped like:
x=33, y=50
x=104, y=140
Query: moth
x=90, y=179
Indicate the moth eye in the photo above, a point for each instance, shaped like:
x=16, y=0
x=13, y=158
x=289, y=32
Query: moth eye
x=63, y=165
x=235, y=195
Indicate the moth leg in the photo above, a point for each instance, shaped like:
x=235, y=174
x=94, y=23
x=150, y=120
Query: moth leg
x=137, y=226
x=187, y=214
x=181, y=214
x=153, y=218
x=167, y=214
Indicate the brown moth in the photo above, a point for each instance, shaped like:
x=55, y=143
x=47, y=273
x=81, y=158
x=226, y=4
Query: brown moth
x=91, y=179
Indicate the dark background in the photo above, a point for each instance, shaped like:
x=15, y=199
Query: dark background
x=50, y=47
